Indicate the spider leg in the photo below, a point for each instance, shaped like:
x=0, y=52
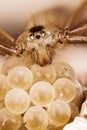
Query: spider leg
x=78, y=35
x=75, y=36
x=7, y=44
x=78, y=18
x=77, y=39
x=82, y=30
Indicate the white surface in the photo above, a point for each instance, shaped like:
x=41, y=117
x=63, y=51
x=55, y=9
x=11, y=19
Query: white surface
x=79, y=123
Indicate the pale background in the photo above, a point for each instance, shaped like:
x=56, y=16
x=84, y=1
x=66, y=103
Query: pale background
x=14, y=13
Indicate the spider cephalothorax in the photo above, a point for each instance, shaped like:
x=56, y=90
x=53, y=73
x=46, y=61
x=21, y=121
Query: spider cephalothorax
x=40, y=42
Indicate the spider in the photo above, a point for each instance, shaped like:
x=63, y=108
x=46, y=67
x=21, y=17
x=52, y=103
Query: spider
x=47, y=31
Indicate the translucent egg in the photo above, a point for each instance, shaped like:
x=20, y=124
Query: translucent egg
x=9, y=121
x=59, y=112
x=65, y=89
x=4, y=86
x=45, y=73
x=42, y=93
x=21, y=77
x=36, y=118
x=64, y=70
x=17, y=101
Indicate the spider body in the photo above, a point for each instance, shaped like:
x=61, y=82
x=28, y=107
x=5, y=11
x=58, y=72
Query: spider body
x=47, y=31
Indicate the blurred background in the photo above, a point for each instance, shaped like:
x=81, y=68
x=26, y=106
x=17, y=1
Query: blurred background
x=15, y=13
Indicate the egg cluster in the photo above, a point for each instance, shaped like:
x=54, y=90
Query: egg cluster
x=37, y=98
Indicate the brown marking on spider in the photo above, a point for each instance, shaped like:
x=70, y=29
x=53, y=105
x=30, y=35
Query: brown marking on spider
x=42, y=36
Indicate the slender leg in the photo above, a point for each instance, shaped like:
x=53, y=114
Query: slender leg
x=7, y=43
x=82, y=30
x=6, y=51
x=78, y=35
x=77, y=39
x=78, y=18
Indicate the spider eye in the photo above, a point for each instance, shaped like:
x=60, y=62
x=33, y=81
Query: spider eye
x=43, y=33
x=31, y=36
x=38, y=36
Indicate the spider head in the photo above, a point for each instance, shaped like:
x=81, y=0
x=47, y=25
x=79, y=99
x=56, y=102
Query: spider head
x=40, y=42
